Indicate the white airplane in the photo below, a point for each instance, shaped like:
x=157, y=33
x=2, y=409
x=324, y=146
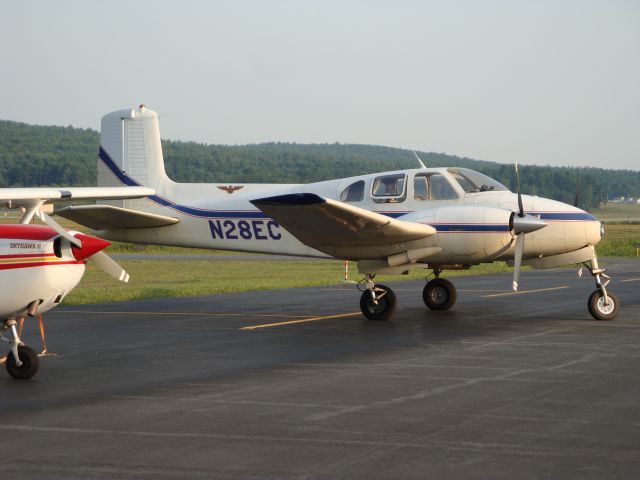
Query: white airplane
x=41, y=264
x=429, y=218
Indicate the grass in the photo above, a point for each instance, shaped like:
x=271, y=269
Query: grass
x=618, y=212
x=619, y=240
x=182, y=278
x=621, y=229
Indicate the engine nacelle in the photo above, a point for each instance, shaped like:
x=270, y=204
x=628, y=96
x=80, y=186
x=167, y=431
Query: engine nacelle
x=467, y=234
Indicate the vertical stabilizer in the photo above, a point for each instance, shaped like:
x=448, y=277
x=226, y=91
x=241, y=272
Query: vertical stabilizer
x=131, y=152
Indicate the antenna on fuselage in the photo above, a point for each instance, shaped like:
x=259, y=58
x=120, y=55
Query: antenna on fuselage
x=419, y=159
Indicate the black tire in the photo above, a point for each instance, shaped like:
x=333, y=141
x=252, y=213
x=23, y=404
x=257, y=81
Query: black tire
x=599, y=310
x=30, y=363
x=384, y=309
x=439, y=294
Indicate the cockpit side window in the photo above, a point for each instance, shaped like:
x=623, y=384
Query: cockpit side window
x=474, y=182
x=354, y=192
x=389, y=188
x=420, y=187
x=441, y=189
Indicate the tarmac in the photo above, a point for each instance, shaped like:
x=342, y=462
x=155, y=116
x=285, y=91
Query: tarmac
x=296, y=384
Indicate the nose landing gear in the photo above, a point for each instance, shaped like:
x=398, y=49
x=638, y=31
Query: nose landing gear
x=602, y=305
x=22, y=362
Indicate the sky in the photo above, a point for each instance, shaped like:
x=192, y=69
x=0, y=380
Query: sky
x=535, y=82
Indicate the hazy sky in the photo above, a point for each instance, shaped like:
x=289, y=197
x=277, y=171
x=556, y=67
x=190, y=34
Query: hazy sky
x=547, y=82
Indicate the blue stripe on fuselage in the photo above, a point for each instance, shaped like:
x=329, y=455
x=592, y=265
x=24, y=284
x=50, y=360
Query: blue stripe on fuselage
x=565, y=216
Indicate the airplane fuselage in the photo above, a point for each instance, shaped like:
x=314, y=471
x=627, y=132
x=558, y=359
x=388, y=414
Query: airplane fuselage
x=221, y=217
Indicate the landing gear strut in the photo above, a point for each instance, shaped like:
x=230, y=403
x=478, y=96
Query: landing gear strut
x=602, y=305
x=378, y=302
x=22, y=362
x=439, y=294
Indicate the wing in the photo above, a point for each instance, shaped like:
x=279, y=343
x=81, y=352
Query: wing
x=338, y=228
x=105, y=217
x=16, y=197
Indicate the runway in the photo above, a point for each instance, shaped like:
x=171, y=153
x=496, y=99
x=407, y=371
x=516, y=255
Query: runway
x=295, y=384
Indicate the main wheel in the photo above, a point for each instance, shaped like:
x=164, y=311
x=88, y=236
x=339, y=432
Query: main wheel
x=384, y=308
x=599, y=310
x=30, y=363
x=439, y=294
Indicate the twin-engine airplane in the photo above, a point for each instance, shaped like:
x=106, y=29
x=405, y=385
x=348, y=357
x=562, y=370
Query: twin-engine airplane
x=41, y=264
x=429, y=218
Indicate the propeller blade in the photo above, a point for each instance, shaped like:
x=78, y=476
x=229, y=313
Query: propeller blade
x=520, y=207
x=106, y=263
x=517, y=260
x=575, y=203
x=56, y=226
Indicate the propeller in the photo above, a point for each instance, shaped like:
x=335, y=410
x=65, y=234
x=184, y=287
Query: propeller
x=521, y=223
x=575, y=203
x=86, y=247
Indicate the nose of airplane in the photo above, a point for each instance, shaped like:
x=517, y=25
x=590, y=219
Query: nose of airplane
x=594, y=231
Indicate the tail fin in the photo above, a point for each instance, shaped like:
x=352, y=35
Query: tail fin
x=131, y=152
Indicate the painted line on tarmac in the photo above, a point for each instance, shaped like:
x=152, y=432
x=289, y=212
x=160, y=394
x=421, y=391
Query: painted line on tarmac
x=304, y=320
x=630, y=280
x=522, y=292
x=201, y=314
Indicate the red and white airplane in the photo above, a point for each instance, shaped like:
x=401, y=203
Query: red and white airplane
x=41, y=264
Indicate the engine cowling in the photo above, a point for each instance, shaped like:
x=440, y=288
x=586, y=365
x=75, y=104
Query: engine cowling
x=467, y=234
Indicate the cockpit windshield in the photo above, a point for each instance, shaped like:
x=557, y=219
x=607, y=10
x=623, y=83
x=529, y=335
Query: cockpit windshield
x=473, y=182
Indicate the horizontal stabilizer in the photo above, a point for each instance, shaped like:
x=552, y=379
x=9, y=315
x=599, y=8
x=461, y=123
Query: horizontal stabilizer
x=332, y=226
x=107, y=217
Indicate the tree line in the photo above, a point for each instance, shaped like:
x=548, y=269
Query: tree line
x=32, y=155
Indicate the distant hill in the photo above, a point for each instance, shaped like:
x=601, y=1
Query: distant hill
x=33, y=155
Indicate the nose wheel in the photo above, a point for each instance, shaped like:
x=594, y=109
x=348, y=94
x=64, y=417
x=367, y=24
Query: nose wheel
x=22, y=362
x=25, y=366
x=602, y=305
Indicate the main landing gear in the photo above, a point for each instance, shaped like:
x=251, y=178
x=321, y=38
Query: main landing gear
x=439, y=294
x=602, y=305
x=22, y=362
x=378, y=302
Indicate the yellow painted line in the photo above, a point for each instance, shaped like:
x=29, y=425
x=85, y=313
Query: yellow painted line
x=525, y=291
x=630, y=280
x=304, y=320
x=202, y=314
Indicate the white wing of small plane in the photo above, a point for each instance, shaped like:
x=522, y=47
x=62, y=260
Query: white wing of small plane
x=36, y=196
x=33, y=198
x=331, y=226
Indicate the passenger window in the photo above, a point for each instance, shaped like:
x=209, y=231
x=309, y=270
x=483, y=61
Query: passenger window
x=354, y=192
x=420, y=188
x=441, y=189
x=389, y=188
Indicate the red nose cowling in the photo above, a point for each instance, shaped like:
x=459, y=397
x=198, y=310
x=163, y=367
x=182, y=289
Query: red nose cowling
x=90, y=246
